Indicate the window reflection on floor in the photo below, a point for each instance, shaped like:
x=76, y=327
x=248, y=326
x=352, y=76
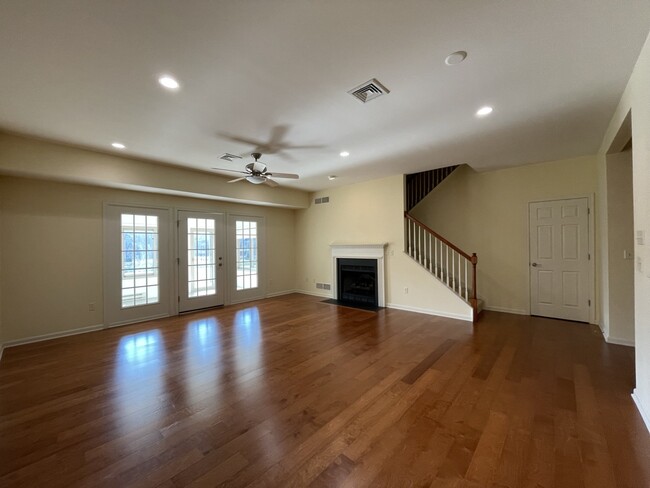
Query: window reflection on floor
x=138, y=379
x=248, y=338
x=202, y=360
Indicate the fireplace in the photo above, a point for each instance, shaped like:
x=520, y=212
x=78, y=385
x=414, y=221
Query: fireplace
x=358, y=275
x=357, y=281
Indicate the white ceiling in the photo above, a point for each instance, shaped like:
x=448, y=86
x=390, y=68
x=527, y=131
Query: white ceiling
x=84, y=72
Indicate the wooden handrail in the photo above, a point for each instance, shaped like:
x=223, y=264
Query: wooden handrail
x=471, y=258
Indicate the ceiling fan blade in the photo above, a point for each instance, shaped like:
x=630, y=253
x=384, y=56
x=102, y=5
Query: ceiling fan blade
x=237, y=179
x=283, y=175
x=241, y=140
x=231, y=170
x=271, y=183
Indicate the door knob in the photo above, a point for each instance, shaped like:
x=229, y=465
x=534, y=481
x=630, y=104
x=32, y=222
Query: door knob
x=534, y=265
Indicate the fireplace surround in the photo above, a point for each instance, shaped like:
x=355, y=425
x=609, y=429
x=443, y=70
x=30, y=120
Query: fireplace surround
x=358, y=261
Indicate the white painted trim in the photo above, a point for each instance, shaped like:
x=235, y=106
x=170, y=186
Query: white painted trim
x=515, y=311
x=140, y=320
x=427, y=311
x=616, y=340
x=645, y=413
x=280, y=293
x=314, y=293
x=361, y=251
x=2, y=349
x=53, y=335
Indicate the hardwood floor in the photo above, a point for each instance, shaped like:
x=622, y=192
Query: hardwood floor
x=294, y=392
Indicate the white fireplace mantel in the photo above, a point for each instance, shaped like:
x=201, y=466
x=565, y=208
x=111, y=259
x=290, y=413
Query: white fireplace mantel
x=361, y=251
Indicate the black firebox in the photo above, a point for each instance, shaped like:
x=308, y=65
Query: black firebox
x=357, y=282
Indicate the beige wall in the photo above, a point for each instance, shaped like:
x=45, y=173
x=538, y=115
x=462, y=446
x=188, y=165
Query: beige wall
x=637, y=99
x=487, y=213
x=22, y=156
x=51, y=242
x=368, y=213
x=618, y=325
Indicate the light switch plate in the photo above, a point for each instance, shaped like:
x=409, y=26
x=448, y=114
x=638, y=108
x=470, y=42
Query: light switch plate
x=640, y=238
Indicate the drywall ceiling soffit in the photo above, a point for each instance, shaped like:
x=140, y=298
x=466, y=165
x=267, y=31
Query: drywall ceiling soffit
x=274, y=76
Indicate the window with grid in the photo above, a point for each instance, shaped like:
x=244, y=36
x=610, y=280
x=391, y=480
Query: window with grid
x=201, y=252
x=140, y=268
x=246, y=254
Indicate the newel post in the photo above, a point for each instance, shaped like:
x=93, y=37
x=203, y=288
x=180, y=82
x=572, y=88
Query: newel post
x=474, y=299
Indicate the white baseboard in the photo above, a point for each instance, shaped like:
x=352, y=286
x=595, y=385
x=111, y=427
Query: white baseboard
x=515, y=311
x=428, y=311
x=620, y=342
x=314, y=293
x=53, y=335
x=280, y=293
x=140, y=320
x=645, y=414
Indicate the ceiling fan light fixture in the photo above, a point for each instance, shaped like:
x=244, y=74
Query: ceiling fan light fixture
x=256, y=180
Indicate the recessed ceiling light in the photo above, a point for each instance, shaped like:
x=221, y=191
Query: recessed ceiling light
x=118, y=145
x=331, y=177
x=169, y=82
x=456, y=58
x=344, y=154
x=483, y=111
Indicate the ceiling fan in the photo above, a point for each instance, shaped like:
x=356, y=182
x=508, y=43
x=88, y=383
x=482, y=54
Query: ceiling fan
x=257, y=173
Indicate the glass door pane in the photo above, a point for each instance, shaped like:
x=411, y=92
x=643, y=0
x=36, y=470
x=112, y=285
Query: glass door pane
x=140, y=263
x=200, y=260
x=246, y=254
x=137, y=264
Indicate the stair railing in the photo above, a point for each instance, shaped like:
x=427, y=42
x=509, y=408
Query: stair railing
x=450, y=264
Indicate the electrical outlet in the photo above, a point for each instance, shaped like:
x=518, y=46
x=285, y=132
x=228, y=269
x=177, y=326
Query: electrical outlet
x=406, y=290
x=91, y=307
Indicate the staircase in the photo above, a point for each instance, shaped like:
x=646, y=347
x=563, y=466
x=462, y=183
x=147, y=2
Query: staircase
x=419, y=185
x=448, y=263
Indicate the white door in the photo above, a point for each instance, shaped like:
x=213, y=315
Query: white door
x=201, y=260
x=246, y=235
x=559, y=259
x=137, y=264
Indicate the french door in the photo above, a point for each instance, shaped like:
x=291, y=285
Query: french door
x=247, y=276
x=136, y=264
x=201, y=260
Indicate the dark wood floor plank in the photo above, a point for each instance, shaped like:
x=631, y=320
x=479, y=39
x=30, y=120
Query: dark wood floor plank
x=291, y=392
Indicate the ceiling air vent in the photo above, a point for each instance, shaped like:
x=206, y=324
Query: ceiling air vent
x=229, y=157
x=369, y=91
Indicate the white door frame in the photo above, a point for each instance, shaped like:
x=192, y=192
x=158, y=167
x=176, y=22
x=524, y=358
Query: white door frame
x=592, y=262
x=232, y=297
x=221, y=271
x=112, y=319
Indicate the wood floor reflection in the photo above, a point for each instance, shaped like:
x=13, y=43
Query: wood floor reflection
x=294, y=392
